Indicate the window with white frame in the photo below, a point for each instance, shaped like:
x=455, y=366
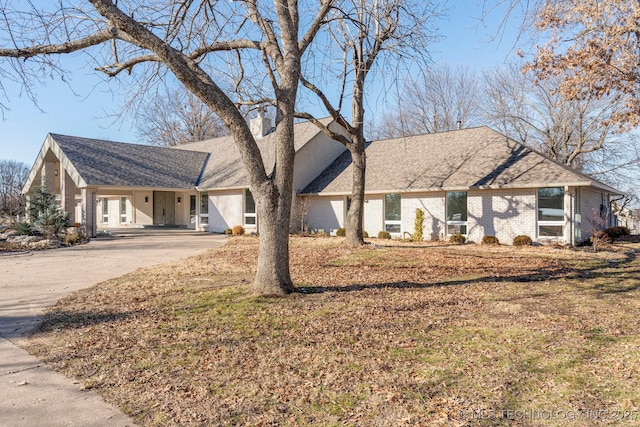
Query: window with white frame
x=192, y=210
x=123, y=210
x=105, y=210
x=392, y=213
x=249, y=209
x=551, y=212
x=204, y=208
x=456, y=212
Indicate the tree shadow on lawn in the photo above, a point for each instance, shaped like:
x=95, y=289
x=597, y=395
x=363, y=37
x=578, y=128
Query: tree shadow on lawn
x=539, y=276
x=76, y=319
x=613, y=270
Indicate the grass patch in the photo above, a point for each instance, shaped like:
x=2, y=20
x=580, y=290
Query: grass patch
x=405, y=334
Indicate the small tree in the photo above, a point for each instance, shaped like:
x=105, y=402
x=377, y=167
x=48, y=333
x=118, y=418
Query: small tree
x=418, y=226
x=39, y=201
x=46, y=215
x=597, y=223
x=303, y=210
x=53, y=222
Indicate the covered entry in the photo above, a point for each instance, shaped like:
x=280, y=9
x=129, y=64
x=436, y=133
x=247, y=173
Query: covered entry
x=164, y=208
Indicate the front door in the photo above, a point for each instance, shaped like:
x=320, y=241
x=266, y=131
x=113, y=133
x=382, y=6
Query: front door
x=164, y=208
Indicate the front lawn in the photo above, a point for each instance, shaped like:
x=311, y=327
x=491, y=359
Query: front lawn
x=394, y=335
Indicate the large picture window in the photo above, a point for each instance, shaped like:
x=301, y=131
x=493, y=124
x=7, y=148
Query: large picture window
x=392, y=213
x=551, y=212
x=249, y=209
x=204, y=208
x=456, y=212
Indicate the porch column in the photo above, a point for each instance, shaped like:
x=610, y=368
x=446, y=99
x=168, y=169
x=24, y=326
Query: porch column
x=89, y=210
x=68, y=195
x=48, y=175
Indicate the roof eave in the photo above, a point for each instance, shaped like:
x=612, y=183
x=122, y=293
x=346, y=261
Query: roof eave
x=51, y=144
x=591, y=183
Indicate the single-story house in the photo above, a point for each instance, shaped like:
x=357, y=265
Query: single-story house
x=473, y=181
x=626, y=217
x=202, y=185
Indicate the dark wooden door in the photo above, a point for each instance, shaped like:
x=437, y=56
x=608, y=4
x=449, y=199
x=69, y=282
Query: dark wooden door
x=164, y=208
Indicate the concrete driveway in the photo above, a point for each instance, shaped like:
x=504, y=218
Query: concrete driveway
x=31, y=394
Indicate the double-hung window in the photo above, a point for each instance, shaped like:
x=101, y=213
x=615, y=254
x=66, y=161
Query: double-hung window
x=456, y=212
x=204, y=208
x=249, y=209
x=392, y=213
x=192, y=210
x=105, y=210
x=551, y=212
x=123, y=210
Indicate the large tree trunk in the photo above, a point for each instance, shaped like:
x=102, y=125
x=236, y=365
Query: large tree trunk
x=355, y=214
x=275, y=196
x=272, y=275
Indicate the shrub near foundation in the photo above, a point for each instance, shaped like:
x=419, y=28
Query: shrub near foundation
x=522, y=240
x=490, y=240
x=238, y=230
x=617, y=232
x=384, y=235
x=457, y=238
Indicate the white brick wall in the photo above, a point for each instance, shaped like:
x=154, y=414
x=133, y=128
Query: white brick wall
x=589, y=211
x=325, y=213
x=373, y=214
x=225, y=210
x=501, y=213
x=434, y=213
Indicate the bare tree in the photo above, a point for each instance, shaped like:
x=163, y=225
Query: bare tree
x=576, y=132
x=536, y=113
x=194, y=42
x=177, y=118
x=13, y=175
x=365, y=31
x=443, y=99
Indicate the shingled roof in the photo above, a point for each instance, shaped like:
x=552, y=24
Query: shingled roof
x=471, y=158
x=210, y=164
x=225, y=168
x=108, y=163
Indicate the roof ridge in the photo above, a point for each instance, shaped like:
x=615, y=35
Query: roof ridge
x=57, y=136
x=431, y=134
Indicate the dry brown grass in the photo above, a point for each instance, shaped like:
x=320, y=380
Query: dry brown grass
x=406, y=334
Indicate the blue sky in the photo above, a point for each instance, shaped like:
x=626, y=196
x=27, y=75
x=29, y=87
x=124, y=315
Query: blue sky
x=89, y=111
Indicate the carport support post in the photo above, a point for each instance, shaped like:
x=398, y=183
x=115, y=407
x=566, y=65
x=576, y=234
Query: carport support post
x=67, y=194
x=89, y=210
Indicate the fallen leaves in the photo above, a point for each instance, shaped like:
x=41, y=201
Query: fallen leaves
x=391, y=335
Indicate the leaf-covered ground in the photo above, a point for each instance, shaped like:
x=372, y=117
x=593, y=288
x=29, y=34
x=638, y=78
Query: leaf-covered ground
x=378, y=336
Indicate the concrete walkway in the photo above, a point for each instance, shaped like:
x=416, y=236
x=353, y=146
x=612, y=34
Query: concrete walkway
x=31, y=394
